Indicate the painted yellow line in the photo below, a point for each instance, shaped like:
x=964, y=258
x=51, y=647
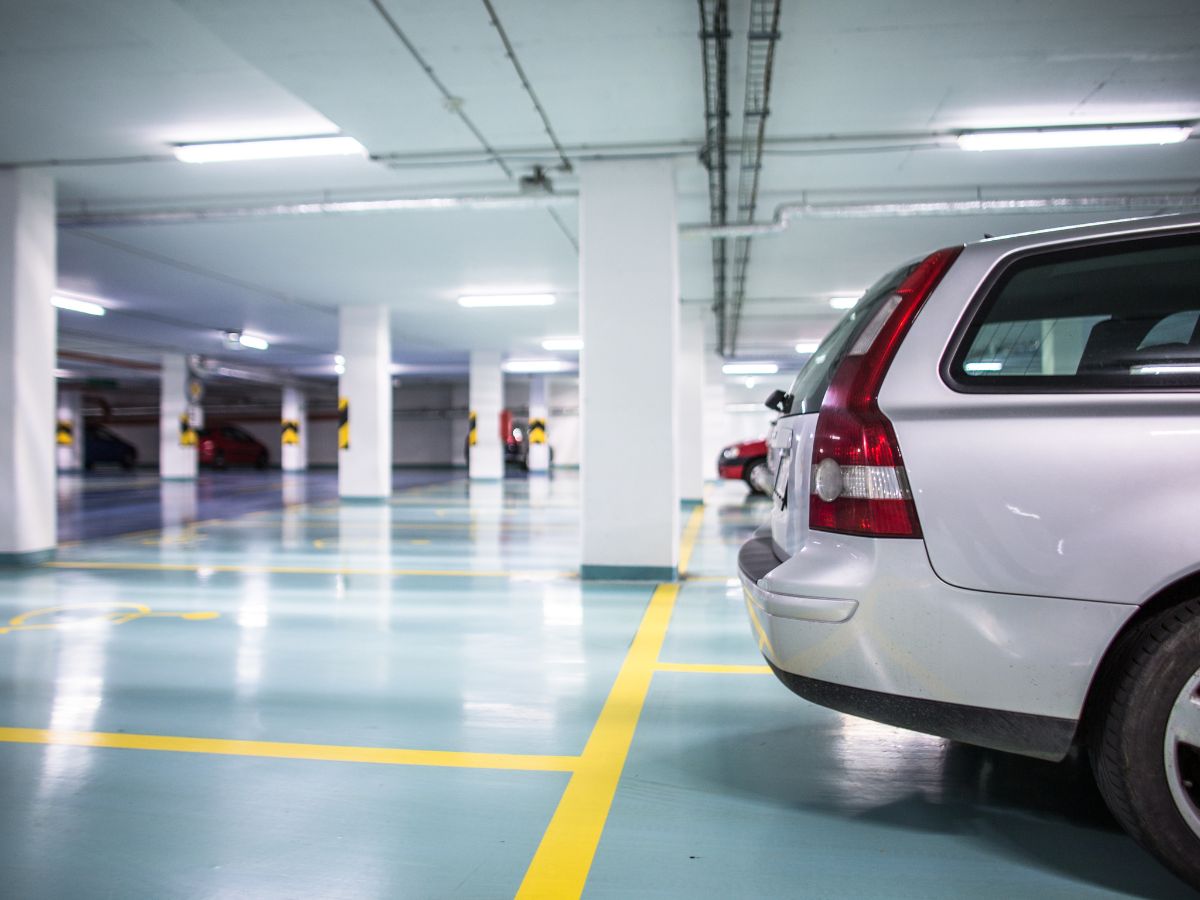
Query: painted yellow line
x=532, y=574
x=713, y=669
x=560, y=867
x=277, y=750
x=688, y=543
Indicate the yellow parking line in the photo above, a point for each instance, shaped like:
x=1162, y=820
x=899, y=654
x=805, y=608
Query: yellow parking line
x=534, y=574
x=713, y=669
x=560, y=867
x=276, y=750
x=688, y=543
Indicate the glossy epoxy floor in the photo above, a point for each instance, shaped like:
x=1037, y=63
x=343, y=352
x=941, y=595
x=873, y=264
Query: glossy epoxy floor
x=307, y=699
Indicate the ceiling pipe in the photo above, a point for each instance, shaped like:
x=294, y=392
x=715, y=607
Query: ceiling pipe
x=786, y=212
x=326, y=208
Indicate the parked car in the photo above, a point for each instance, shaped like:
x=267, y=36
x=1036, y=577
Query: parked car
x=100, y=445
x=227, y=445
x=984, y=525
x=746, y=461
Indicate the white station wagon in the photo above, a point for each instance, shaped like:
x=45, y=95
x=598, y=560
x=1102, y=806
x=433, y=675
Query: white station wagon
x=986, y=521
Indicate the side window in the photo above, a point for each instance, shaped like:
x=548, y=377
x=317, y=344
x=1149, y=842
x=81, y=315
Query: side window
x=1122, y=316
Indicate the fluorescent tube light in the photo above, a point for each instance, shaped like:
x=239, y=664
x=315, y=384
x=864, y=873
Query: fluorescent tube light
x=76, y=305
x=843, y=302
x=274, y=148
x=339, y=368
x=1058, y=138
x=491, y=300
x=807, y=346
x=338, y=359
x=563, y=343
x=756, y=368
x=529, y=366
x=1167, y=369
x=983, y=366
x=253, y=341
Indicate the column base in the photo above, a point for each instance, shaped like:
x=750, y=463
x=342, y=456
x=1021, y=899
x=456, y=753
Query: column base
x=628, y=573
x=24, y=560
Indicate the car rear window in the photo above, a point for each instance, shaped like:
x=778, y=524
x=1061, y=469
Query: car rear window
x=1122, y=316
x=808, y=390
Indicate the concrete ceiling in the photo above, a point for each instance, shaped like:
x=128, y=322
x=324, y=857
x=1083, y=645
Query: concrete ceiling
x=866, y=97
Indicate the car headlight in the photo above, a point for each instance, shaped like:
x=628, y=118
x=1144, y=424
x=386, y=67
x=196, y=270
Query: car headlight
x=729, y=453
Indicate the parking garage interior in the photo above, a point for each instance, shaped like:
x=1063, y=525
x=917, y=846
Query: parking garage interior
x=368, y=368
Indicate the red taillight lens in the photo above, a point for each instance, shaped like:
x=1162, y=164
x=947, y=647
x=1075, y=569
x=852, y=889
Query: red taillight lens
x=858, y=481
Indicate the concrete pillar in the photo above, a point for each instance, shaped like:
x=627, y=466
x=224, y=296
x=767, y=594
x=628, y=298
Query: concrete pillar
x=28, y=349
x=294, y=430
x=486, y=400
x=365, y=390
x=70, y=437
x=690, y=465
x=539, y=425
x=629, y=317
x=716, y=427
x=177, y=438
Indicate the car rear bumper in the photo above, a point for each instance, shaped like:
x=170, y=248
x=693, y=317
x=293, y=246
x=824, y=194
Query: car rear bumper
x=864, y=626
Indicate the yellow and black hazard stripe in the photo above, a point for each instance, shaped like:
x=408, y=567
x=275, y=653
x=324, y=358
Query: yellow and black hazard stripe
x=537, y=431
x=472, y=437
x=187, y=434
x=343, y=423
x=65, y=434
x=291, y=432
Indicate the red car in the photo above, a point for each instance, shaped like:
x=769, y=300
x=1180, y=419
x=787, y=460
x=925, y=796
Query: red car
x=747, y=461
x=228, y=445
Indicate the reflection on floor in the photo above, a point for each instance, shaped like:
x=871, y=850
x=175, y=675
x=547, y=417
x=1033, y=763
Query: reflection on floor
x=418, y=699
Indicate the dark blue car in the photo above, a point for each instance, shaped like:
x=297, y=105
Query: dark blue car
x=102, y=446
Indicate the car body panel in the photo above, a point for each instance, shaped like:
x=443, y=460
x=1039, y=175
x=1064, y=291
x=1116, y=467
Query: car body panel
x=1037, y=493
x=734, y=467
x=913, y=635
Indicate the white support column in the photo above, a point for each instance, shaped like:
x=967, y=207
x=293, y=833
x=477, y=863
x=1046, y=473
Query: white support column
x=539, y=421
x=690, y=465
x=629, y=317
x=177, y=458
x=28, y=349
x=70, y=431
x=294, y=430
x=365, y=466
x=486, y=400
x=716, y=427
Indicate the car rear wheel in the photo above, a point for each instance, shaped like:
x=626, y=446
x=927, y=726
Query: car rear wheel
x=1145, y=744
x=758, y=476
x=128, y=461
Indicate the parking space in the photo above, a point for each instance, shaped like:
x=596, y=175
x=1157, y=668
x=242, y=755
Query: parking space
x=309, y=700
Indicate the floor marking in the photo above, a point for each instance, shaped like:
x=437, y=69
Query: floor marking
x=688, y=543
x=278, y=750
x=93, y=614
x=528, y=575
x=560, y=867
x=713, y=669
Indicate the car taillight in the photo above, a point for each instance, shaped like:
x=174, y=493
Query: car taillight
x=858, y=480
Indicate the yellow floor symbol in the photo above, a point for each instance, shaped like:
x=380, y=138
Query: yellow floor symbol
x=73, y=615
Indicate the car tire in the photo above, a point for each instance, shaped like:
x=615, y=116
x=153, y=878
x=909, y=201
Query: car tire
x=218, y=460
x=756, y=474
x=263, y=461
x=1145, y=738
x=128, y=461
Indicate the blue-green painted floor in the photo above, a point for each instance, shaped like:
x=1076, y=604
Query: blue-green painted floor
x=449, y=620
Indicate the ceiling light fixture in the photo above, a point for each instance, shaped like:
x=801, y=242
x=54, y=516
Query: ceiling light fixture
x=338, y=359
x=563, y=343
x=75, y=304
x=1066, y=138
x=475, y=301
x=754, y=368
x=534, y=366
x=807, y=346
x=273, y=148
x=843, y=302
